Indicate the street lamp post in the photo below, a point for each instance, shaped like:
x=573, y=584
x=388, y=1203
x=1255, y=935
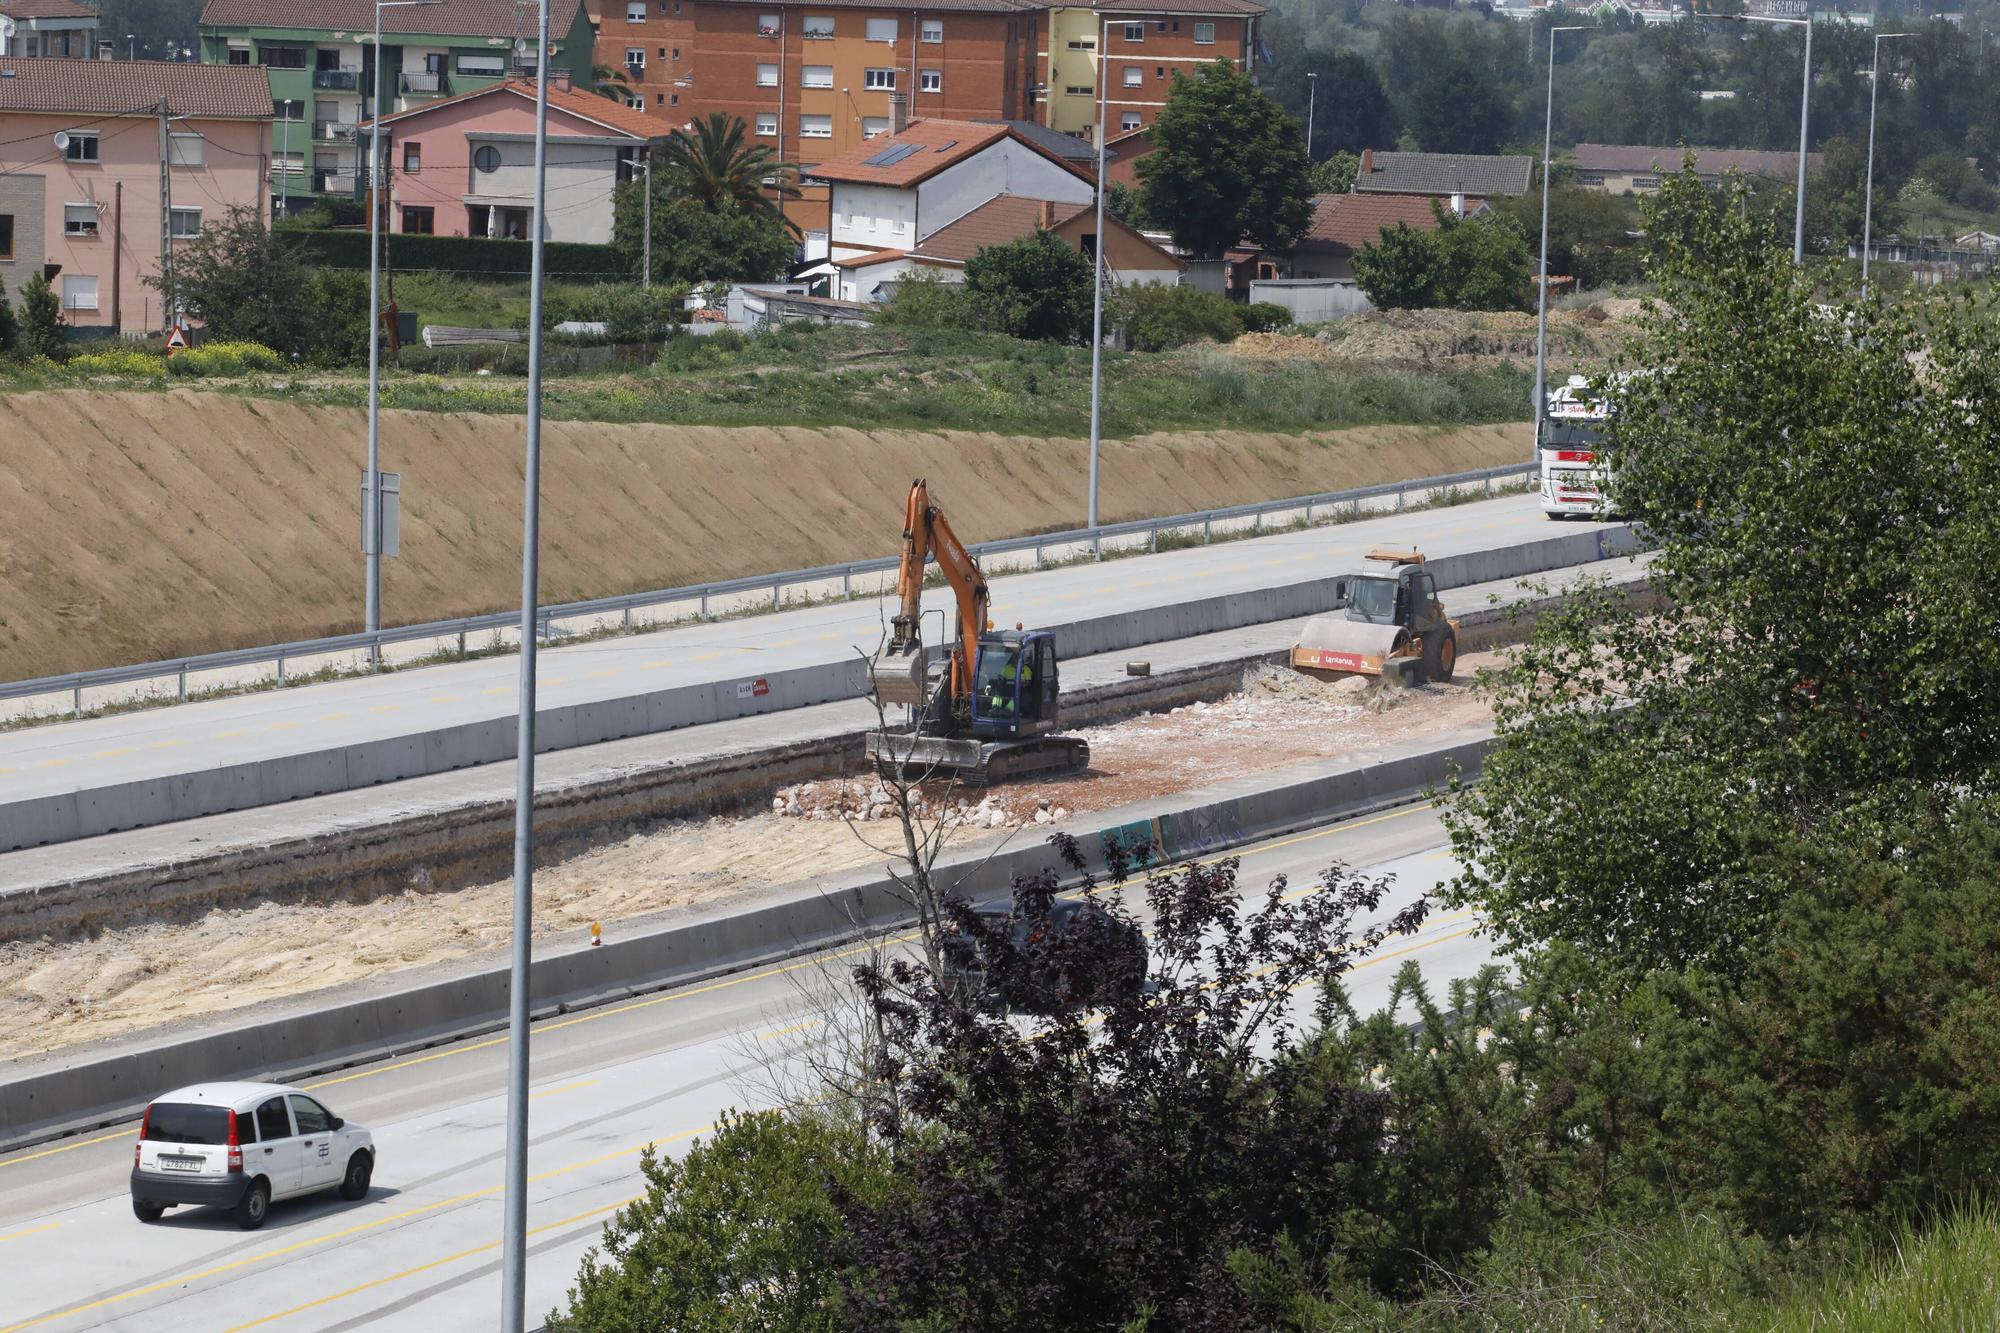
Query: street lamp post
x=514, y=1188
x=1805, y=108
x=1868, y=192
x=1097, y=294
x=1542, y=308
x=1312, y=99
x=371, y=488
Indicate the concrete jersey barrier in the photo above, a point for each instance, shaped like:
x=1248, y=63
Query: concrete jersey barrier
x=65, y=816
x=44, y=1103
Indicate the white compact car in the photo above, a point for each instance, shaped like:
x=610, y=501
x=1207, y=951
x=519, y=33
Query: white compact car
x=241, y=1146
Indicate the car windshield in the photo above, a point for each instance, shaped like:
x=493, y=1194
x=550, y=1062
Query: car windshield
x=999, y=665
x=179, y=1122
x=1372, y=600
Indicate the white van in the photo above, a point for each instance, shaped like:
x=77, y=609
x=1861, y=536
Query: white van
x=241, y=1146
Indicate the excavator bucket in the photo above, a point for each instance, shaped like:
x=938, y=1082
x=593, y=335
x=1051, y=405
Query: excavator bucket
x=1335, y=643
x=899, y=676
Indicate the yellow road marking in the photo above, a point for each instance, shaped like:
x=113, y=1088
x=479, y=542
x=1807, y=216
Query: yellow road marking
x=9, y=770
x=444, y=698
x=705, y=657
x=832, y=634
x=111, y=754
x=796, y=1027
x=567, y=1087
x=29, y=1231
x=600, y=675
x=56, y=763
x=330, y=717
x=499, y=689
x=661, y=662
x=425, y=1268
x=385, y=708
x=283, y=726
x=227, y=735
x=553, y=680
x=67, y=1147
x=166, y=745
x=749, y=650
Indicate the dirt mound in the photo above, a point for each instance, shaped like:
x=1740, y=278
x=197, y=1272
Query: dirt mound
x=1455, y=338
x=150, y=525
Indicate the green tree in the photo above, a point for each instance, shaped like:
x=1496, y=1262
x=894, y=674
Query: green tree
x=1476, y=263
x=1334, y=175
x=924, y=300
x=10, y=330
x=610, y=81
x=1402, y=271
x=1035, y=287
x=42, y=332
x=1156, y=317
x=1227, y=163
x=1820, y=485
x=717, y=207
x=1591, y=233
x=243, y=282
x=715, y=166
x=744, y=1233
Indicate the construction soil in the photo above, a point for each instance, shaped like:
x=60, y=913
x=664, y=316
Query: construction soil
x=1582, y=338
x=151, y=525
x=59, y=993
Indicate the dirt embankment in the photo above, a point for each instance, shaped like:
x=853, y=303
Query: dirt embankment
x=56, y=994
x=1580, y=339
x=149, y=525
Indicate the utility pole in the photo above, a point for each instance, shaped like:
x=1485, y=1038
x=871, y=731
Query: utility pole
x=646, y=165
x=1097, y=294
x=514, y=1187
x=1868, y=191
x=1312, y=103
x=1542, y=308
x=169, y=304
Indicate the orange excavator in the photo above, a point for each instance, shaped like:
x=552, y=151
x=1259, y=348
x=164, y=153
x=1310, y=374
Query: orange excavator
x=985, y=710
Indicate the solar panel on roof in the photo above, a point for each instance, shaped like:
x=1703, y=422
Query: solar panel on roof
x=881, y=159
x=947, y=144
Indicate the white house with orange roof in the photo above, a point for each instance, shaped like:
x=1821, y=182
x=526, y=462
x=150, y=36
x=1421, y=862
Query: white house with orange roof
x=465, y=165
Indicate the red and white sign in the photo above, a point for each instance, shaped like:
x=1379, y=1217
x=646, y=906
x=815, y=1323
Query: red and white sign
x=753, y=689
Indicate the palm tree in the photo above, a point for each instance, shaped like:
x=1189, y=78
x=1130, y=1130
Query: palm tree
x=610, y=81
x=709, y=163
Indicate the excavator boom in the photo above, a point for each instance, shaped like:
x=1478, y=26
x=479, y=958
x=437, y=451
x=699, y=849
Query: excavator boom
x=899, y=669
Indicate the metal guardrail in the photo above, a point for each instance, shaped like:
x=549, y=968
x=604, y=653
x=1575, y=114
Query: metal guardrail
x=180, y=668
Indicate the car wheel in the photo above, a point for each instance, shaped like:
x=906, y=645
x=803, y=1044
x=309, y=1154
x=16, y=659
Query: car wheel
x=254, y=1206
x=147, y=1212
x=354, y=1185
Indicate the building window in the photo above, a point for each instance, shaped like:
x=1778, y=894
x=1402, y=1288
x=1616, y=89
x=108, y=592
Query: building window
x=1650, y=182
x=673, y=99
x=290, y=161
x=184, y=223
x=635, y=11
x=1204, y=34
x=1590, y=178
x=186, y=150
x=1073, y=90
x=879, y=80
x=816, y=76
x=767, y=25
x=484, y=67
x=419, y=221
x=79, y=292
x=930, y=81
x=1135, y=32
x=881, y=30
x=767, y=76
x=818, y=27
x=1134, y=76
x=1082, y=44
x=874, y=127
x=288, y=110
x=677, y=53
x=82, y=147
x=635, y=59
x=6, y=235
x=282, y=57
x=767, y=124
x=932, y=30
x=637, y=101
x=239, y=55
x=487, y=158
x=79, y=219
x=659, y=99
x=815, y=127
x=1128, y=120
x=413, y=158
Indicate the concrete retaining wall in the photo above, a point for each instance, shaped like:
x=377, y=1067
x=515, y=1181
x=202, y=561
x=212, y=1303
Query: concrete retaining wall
x=46, y=1102
x=143, y=804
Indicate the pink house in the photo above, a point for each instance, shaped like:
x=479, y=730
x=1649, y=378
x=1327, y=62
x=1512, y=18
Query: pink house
x=465, y=166
x=93, y=191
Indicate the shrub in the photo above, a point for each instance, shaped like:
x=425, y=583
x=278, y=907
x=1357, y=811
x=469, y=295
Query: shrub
x=42, y=332
x=461, y=254
x=225, y=358
x=628, y=311
x=128, y=361
x=1264, y=316
x=1156, y=318
x=925, y=300
x=1034, y=287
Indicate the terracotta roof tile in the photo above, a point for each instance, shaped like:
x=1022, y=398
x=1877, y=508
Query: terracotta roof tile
x=46, y=9
x=934, y=145
x=613, y=114
x=1220, y=8
x=122, y=87
x=999, y=220
x=1350, y=221
x=451, y=18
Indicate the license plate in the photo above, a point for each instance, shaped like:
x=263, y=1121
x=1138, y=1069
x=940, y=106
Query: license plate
x=180, y=1163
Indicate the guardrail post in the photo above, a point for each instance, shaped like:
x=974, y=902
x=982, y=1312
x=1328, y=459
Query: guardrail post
x=1038, y=553
x=1257, y=521
x=1489, y=485
x=704, y=603
x=774, y=595
x=76, y=704
x=183, y=690
x=1309, y=513
x=461, y=643
x=281, y=668
x=1153, y=538
x=1206, y=530
x=1401, y=496
x=628, y=620
x=846, y=584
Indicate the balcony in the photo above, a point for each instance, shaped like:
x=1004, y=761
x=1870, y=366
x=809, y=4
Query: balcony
x=337, y=80
x=817, y=34
x=335, y=182
x=427, y=83
x=333, y=131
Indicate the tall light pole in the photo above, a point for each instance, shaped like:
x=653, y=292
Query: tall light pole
x=1097, y=264
x=514, y=1193
x=371, y=485
x=1542, y=311
x=1312, y=99
x=1805, y=108
x=1868, y=192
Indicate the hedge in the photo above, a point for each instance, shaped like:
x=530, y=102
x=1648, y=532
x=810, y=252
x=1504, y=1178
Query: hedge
x=471, y=255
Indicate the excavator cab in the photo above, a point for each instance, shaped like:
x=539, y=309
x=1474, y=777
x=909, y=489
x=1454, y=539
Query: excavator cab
x=1015, y=687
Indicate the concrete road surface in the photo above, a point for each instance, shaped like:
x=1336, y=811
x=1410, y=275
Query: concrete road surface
x=422, y=1251
x=95, y=753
